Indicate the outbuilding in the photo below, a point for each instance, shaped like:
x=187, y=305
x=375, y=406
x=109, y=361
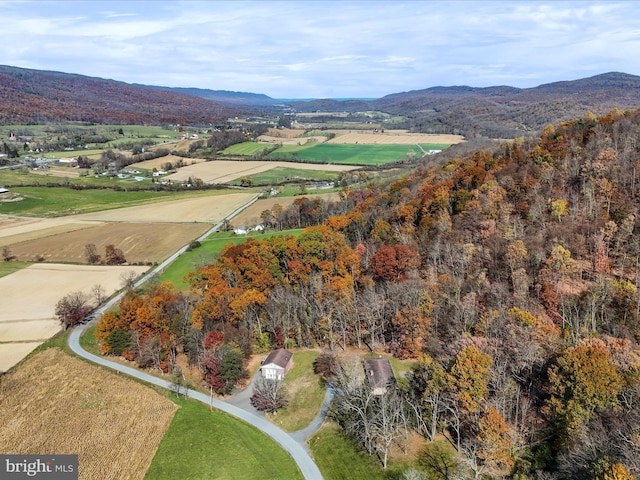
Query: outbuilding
x=379, y=374
x=277, y=364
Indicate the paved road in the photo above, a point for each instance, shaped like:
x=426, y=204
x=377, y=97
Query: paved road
x=296, y=449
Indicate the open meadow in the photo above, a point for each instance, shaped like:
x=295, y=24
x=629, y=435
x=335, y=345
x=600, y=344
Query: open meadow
x=27, y=317
x=54, y=403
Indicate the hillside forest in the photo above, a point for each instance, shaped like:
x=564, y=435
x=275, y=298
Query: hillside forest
x=510, y=274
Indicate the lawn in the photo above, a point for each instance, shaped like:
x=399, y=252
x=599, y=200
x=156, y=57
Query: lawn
x=349, y=154
x=306, y=392
x=207, y=252
x=209, y=444
x=339, y=459
x=281, y=174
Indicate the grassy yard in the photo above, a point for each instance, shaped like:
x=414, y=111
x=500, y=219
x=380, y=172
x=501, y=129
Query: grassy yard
x=207, y=252
x=89, y=342
x=209, y=444
x=305, y=392
x=339, y=459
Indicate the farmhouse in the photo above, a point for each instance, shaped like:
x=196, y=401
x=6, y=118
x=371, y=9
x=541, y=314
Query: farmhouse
x=379, y=374
x=3, y=190
x=277, y=364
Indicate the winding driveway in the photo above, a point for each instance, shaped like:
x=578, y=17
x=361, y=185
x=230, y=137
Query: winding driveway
x=294, y=444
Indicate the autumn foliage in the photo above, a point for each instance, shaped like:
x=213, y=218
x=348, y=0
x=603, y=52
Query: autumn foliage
x=511, y=273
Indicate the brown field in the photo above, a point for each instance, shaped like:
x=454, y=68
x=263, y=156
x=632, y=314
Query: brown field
x=140, y=242
x=285, y=132
x=251, y=215
x=291, y=141
x=205, y=209
x=158, y=163
x=392, y=137
x=57, y=404
x=146, y=233
x=223, y=171
x=27, y=316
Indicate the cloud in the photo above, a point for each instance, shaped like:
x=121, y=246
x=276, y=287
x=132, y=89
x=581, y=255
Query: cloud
x=324, y=48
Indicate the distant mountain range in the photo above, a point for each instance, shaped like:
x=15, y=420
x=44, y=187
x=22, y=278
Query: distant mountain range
x=37, y=96
x=497, y=112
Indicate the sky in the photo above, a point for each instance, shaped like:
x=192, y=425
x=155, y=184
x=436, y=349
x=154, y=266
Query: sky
x=324, y=48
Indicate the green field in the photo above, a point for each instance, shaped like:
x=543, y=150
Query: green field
x=209, y=444
x=350, y=154
x=247, y=148
x=7, y=268
x=55, y=202
x=282, y=174
x=207, y=252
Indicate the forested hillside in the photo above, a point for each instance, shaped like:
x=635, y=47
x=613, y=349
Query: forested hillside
x=512, y=275
x=37, y=97
x=500, y=111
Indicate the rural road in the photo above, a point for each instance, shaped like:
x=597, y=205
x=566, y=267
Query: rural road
x=291, y=445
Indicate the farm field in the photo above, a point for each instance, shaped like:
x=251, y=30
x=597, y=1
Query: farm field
x=27, y=317
x=246, y=148
x=280, y=174
x=351, y=154
x=140, y=242
x=57, y=202
x=59, y=404
x=250, y=216
x=159, y=162
x=223, y=171
x=392, y=137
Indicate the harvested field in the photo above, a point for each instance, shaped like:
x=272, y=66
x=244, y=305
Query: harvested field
x=223, y=171
x=27, y=317
x=251, y=215
x=140, y=242
x=159, y=162
x=54, y=403
x=206, y=209
x=285, y=132
x=291, y=141
x=393, y=137
x=19, y=229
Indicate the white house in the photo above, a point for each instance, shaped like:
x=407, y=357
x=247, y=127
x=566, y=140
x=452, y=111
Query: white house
x=277, y=364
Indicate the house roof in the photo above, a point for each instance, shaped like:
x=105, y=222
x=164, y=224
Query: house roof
x=378, y=372
x=279, y=357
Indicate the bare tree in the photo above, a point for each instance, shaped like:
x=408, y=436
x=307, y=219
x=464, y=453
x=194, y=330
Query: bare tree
x=91, y=253
x=99, y=294
x=7, y=256
x=269, y=395
x=128, y=279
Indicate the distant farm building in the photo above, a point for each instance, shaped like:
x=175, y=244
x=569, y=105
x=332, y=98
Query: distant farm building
x=277, y=364
x=379, y=374
x=3, y=190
